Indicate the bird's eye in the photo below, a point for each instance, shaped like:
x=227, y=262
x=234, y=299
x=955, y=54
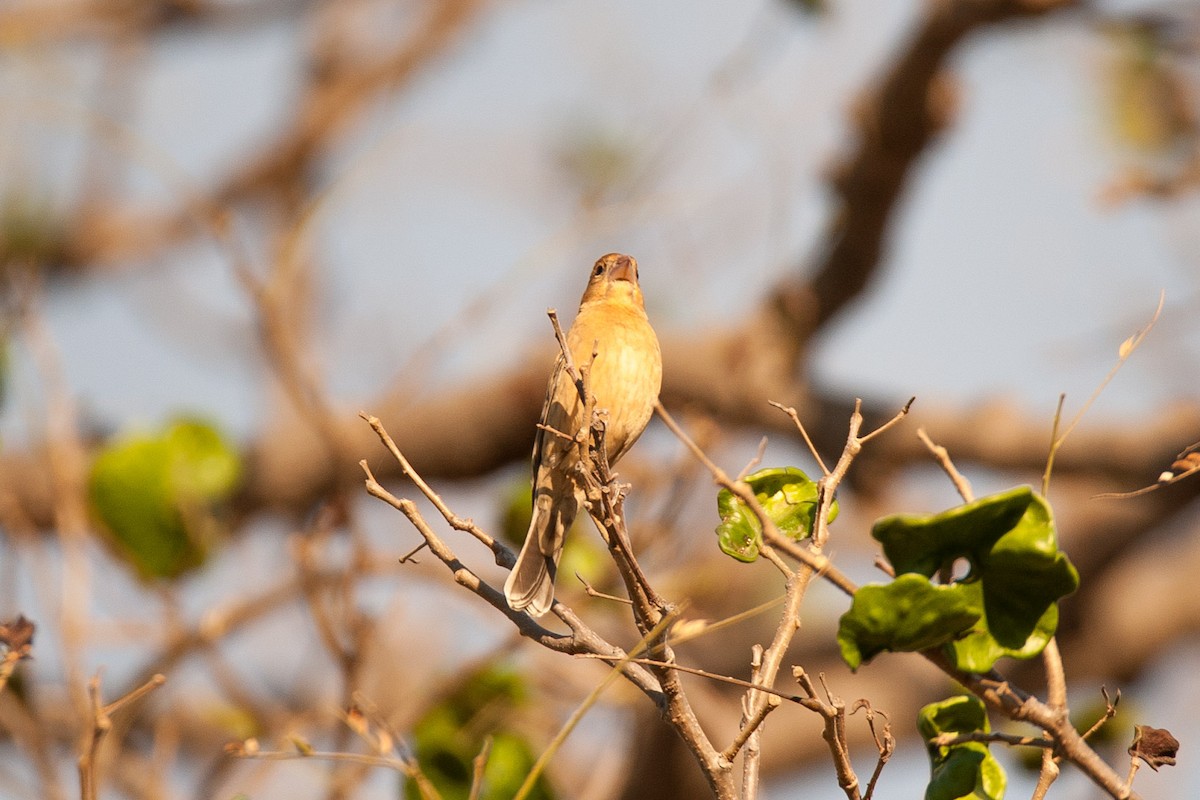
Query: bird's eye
x=598, y=271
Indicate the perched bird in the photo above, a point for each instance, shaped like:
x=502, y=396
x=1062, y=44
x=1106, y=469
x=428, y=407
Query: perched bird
x=625, y=378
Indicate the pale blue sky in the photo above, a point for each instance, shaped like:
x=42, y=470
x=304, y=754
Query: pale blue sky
x=1005, y=276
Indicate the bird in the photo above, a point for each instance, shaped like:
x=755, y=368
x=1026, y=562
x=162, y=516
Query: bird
x=625, y=378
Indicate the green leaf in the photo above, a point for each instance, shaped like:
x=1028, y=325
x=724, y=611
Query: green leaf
x=1017, y=573
x=1023, y=575
x=451, y=734
x=158, y=496
x=966, y=771
x=787, y=495
x=204, y=467
x=979, y=650
x=926, y=543
x=907, y=615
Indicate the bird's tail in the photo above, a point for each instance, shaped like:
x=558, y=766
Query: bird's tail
x=530, y=585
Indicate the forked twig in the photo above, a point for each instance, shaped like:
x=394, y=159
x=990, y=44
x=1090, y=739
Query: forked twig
x=101, y=725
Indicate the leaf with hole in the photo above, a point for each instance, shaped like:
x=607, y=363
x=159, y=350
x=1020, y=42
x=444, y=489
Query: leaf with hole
x=1017, y=573
x=925, y=543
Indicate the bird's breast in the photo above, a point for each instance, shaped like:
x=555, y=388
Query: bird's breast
x=626, y=374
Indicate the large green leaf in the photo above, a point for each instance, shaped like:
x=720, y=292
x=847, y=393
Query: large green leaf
x=158, y=495
x=1023, y=575
x=908, y=614
x=787, y=495
x=925, y=543
x=966, y=771
x=1017, y=573
x=979, y=649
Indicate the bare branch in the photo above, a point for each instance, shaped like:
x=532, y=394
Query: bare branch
x=942, y=455
x=1110, y=711
x=795, y=417
x=101, y=724
x=833, y=711
x=583, y=638
x=456, y=522
x=751, y=725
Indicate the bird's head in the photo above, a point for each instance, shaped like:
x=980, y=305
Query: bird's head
x=614, y=278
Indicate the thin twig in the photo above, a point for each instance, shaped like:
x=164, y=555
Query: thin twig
x=709, y=627
x=1185, y=464
x=1134, y=765
x=750, y=726
x=1054, y=442
x=951, y=739
x=1047, y=774
x=1056, y=682
x=478, y=765
x=577, y=715
x=592, y=591
x=791, y=412
x=833, y=712
x=942, y=455
x=408, y=558
x=750, y=733
x=101, y=725
x=896, y=419
x=1110, y=711
x=732, y=681
x=766, y=551
x=582, y=639
x=1124, y=352
x=1162, y=481
x=755, y=461
x=827, y=485
x=885, y=744
x=568, y=359
x=248, y=749
x=455, y=521
x=1056, y=698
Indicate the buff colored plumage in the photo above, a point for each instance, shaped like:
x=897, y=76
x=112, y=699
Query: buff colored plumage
x=625, y=379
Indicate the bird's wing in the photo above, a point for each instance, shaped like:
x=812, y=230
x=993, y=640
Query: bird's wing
x=553, y=415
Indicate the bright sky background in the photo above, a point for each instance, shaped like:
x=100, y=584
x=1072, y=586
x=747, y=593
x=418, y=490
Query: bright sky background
x=1006, y=275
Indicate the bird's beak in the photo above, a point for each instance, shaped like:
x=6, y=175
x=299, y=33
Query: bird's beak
x=624, y=270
